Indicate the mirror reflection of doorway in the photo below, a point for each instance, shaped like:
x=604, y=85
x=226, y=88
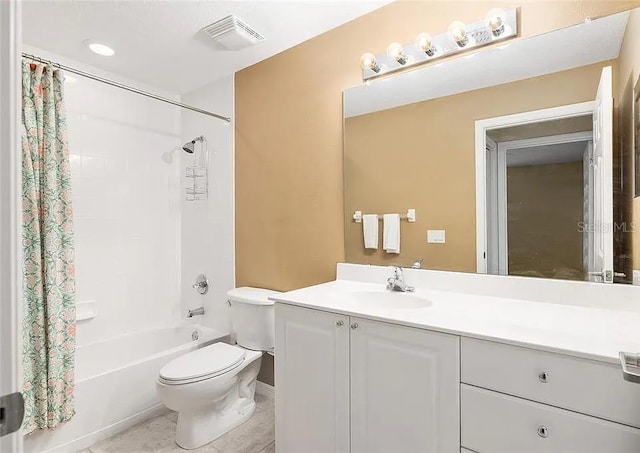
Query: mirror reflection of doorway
x=597, y=228
x=542, y=188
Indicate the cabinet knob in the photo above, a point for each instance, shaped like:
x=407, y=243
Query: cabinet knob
x=543, y=431
x=354, y=325
x=543, y=377
x=339, y=323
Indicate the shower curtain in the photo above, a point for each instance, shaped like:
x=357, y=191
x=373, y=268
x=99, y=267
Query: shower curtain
x=48, y=252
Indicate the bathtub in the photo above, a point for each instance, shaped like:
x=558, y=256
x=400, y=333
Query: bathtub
x=115, y=385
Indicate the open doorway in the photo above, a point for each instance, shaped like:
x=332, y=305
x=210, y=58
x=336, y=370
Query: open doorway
x=542, y=191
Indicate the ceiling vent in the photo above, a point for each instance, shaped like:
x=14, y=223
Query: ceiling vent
x=233, y=34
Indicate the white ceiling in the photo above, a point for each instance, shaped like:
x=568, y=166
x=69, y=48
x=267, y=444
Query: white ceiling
x=158, y=42
x=559, y=50
x=558, y=153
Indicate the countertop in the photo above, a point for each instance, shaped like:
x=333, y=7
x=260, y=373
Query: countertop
x=587, y=332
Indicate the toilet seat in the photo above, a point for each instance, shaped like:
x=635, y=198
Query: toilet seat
x=201, y=364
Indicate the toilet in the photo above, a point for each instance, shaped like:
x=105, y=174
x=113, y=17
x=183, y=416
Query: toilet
x=212, y=388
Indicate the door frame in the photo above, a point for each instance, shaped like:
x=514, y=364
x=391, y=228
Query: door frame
x=481, y=129
x=10, y=208
x=498, y=233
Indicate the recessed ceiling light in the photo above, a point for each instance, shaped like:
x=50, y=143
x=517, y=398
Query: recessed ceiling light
x=101, y=49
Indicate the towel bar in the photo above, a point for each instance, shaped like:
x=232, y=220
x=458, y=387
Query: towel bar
x=409, y=217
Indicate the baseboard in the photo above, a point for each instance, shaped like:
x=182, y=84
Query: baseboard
x=265, y=389
x=108, y=431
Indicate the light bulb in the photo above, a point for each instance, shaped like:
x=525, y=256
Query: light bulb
x=496, y=19
x=396, y=52
x=368, y=61
x=458, y=32
x=424, y=42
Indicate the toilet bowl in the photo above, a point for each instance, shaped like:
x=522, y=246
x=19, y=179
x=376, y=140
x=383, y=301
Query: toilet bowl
x=213, y=388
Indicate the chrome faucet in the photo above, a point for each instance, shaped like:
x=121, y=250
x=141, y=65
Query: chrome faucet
x=196, y=312
x=396, y=283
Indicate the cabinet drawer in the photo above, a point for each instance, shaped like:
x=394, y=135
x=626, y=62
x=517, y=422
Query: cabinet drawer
x=493, y=422
x=581, y=385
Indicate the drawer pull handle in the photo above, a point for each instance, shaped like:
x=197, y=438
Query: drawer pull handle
x=543, y=432
x=354, y=325
x=339, y=323
x=630, y=366
x=543, y=377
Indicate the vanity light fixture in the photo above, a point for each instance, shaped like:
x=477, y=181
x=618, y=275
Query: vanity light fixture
x=424, y=42
x=368, y=61
x=396, y=52
x=497, y=25
x=496, y=19
x=458, y=32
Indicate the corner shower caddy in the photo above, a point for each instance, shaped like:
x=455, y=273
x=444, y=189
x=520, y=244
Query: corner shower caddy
x=197, y=174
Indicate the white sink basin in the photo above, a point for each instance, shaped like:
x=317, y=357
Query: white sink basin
x=388, y=299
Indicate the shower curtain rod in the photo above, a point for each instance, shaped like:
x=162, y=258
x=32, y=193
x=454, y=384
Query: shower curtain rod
x=122, y=86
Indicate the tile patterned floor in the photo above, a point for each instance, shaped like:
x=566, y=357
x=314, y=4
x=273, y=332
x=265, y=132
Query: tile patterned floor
x=256, y=435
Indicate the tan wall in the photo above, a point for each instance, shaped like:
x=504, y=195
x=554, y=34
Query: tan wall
x=289, y=208
x=422, y=156
x=629, y=70
x=545, y=208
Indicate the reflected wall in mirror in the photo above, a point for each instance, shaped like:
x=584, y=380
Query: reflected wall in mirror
x=520, y=195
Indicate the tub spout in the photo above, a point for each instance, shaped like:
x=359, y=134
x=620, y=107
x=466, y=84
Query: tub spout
x=196, y=312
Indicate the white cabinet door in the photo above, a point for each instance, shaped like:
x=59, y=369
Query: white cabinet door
x=405, y=394
x=311, y=380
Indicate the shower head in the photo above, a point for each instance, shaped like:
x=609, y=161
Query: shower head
x=190, y=147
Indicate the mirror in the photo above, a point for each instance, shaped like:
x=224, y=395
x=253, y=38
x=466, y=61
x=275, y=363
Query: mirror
x=518, y=159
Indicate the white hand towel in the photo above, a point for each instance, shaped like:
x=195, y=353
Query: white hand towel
x=370, y=230
x=391, y=240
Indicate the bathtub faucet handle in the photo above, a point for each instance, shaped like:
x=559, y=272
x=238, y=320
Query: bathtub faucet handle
x=201, y=284
x=196, y=312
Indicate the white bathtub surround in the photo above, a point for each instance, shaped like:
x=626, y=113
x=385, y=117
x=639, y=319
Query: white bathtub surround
x=85, y=310
x=207, y=228
x=115, y=385
x=126, y=204
x=588, y=320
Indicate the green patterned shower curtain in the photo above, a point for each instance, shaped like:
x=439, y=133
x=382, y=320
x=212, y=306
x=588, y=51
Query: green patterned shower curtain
x=47, y=237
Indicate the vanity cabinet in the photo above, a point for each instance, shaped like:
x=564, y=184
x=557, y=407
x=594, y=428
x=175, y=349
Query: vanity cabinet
x=404, y=389
x=580, y=385
x=521, y=399
x=351, y=384
x=312, y=380
x=499, y=423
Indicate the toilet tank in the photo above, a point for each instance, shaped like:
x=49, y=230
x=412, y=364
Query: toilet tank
x=252, y=317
